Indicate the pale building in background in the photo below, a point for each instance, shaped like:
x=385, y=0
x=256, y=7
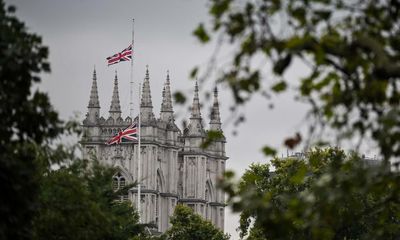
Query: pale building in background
x=175, y=169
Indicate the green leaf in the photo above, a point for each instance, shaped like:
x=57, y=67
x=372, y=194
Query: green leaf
x=201, y=34
x=179, y=98
x=11, y=9
x=219, y=8
x=323, y=14
x=281, y=65
x=300, y=174
x=299, y=14
x=279, y=87
x=229, y=174
x=211, y=137
x=193, y=73
x=268, y=151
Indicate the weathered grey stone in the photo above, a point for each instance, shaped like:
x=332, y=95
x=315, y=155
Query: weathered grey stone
x=175, y=169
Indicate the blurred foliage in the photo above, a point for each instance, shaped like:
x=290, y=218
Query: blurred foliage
x=77, y=202
x=46, y=192
x=188, y=225
x=351, y=49
x=211, y=137
x=324, y=195
x=27, y=122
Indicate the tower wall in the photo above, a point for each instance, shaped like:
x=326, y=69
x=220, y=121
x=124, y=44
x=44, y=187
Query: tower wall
x=175, y=169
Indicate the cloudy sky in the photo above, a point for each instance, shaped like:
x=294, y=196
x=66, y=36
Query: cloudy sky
x=82, y=33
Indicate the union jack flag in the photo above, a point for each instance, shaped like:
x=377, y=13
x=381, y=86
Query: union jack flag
x=124, y=55
x=129, y=134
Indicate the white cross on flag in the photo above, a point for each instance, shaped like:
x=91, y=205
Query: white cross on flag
x=124, y=55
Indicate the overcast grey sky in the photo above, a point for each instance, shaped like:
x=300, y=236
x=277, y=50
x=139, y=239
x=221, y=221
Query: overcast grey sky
x=82, y=33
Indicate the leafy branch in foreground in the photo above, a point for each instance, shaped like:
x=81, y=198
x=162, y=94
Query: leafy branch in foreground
x=27, y=122
x=351, y=50
x=326, y=195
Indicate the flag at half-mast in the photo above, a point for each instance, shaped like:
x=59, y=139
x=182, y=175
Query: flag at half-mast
x=129, y=134
x=124, y=55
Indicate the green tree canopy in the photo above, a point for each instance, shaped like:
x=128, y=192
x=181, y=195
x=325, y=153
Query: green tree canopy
x=37, y=202
x=77, y=202
x=350, y=48
x=188, y=225
x=326, y=195
x=27, y=121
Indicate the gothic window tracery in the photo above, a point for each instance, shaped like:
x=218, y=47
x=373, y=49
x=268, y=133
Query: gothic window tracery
x=191, y=178
x=157, y=209
x=208, y=198
x=159, y=188
x=118, y=183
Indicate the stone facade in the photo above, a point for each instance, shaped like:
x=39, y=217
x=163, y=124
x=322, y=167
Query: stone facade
x=175, y=169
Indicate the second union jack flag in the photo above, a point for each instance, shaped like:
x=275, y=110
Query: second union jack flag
x=124, y=55
x=129, y=134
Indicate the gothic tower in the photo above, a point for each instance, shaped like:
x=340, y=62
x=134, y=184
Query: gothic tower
x=175, y=168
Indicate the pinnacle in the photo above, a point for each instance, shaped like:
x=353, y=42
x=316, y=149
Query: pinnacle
x=94, y=97
x=166, y=105
x=146, y=93
x=195, y=127
x=146, y=106
x=215, y=121
x=115, y=108
x=196, y=103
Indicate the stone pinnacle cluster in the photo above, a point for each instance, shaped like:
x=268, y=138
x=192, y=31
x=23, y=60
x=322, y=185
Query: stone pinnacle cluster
x=175, y=168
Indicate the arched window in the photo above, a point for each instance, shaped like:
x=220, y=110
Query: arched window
x=159, y=188
x=158, y=182
x=118, y=183
x=121, y=182
x=157, y=211
x=209, y=193
x=208, y=196
x=115, y=183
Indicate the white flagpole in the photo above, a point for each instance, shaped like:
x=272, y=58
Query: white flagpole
x=138, y=125
x=131, y=88
x=139, y=159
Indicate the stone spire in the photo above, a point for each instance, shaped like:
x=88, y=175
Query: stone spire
x=215, y=120
x=146, y=105
x=166, y=105
x=94, y=97
x=195, y=113
x=115, y=108
x=195, y=123
x=94, y=104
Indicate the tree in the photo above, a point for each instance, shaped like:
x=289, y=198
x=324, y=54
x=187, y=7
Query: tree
x=38, y=202
x=188, y=225
x=77, y=202
x=352, y=55
x=326, y=195
x=27, y=122
x=351, y=49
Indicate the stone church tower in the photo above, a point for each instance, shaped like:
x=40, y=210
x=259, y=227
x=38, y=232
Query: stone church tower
x=175, y=169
